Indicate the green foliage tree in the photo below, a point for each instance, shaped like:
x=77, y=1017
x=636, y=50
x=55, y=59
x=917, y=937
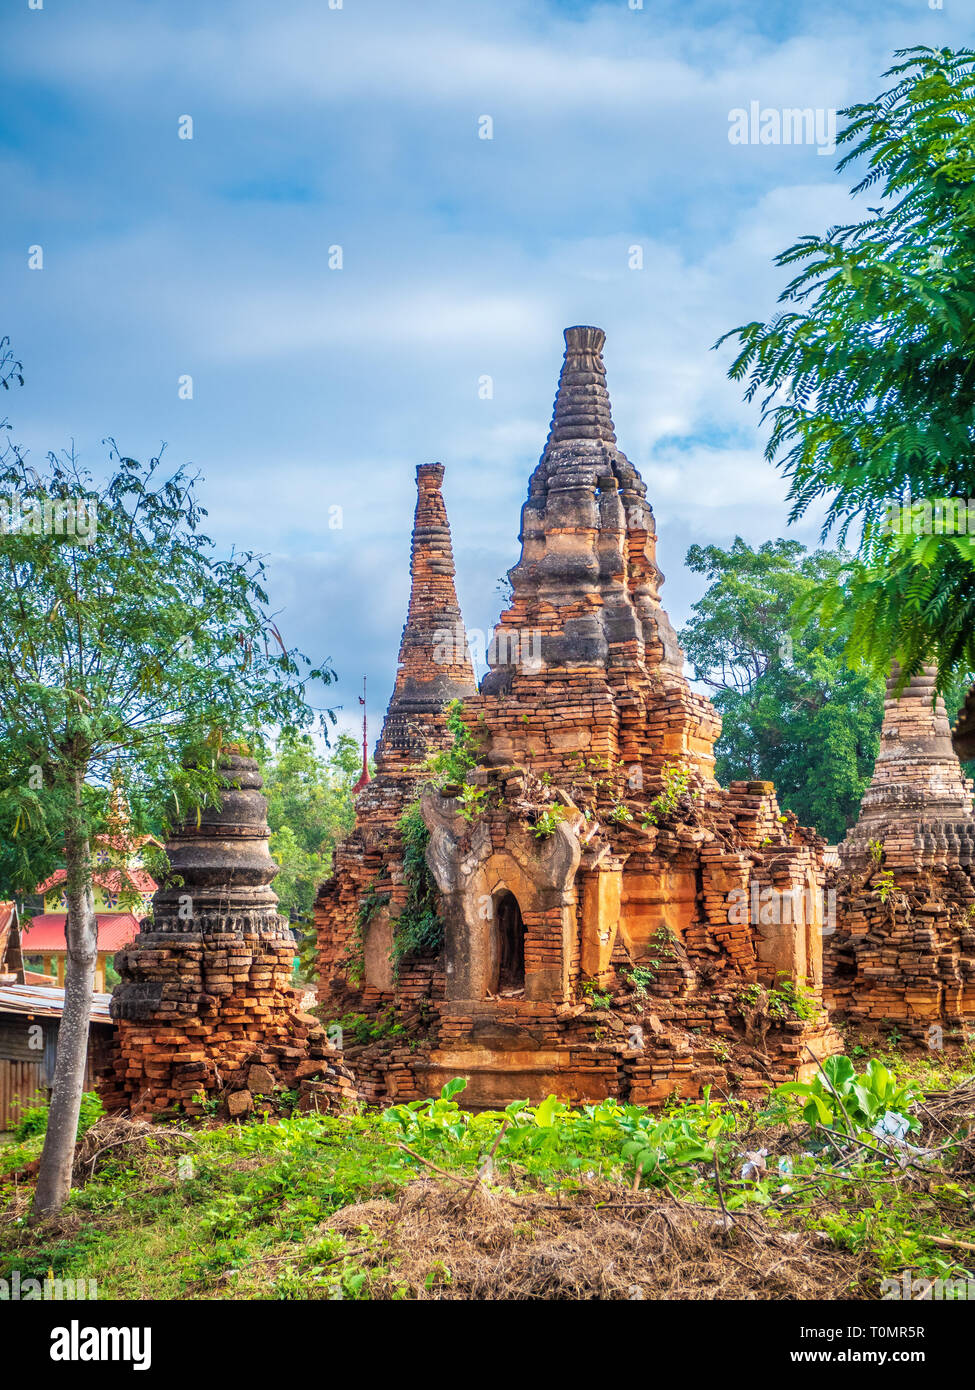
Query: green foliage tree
x=793, y=712
x=311, y=807
x=867, y=377
x=130, y=651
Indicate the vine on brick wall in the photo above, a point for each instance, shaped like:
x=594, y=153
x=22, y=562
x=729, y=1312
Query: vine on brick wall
x=419, y=927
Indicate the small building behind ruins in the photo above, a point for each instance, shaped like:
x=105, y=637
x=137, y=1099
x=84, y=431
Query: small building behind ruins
x=546, y=889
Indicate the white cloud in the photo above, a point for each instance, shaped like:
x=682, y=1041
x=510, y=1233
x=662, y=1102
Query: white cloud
x=463, y=258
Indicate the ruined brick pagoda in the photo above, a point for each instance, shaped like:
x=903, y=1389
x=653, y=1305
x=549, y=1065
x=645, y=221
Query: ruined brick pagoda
x=903, y=954
x=205, y=1006
x=434, y=668
x=613, y=922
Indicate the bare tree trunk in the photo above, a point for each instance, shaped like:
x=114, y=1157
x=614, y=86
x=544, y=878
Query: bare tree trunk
x=57, y=1156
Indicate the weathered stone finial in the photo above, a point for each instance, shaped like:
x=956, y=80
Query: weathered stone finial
x=223, y=861
x=582, y=409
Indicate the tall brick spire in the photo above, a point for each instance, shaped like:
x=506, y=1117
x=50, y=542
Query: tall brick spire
x=918, y=805
x=585, y=611
x=588, y=578
x=434, y=663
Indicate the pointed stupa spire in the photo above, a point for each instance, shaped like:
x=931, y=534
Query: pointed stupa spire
x=587, y=584
x=434, y=661
x=582, y=409
x=917, y=793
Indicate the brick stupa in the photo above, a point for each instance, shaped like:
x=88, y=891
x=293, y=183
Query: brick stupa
x=205, y=1004
x=904, y=951
x=434, y=668
x=614, y=922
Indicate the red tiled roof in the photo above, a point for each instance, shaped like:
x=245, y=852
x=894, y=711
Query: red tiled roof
x=135, y=880
x=46, y=933
x=124, y=843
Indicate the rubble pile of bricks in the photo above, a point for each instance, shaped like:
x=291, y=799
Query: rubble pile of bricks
x=903, y=956
x=205, y=1007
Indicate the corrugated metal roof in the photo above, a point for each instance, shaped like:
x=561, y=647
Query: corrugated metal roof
x=46, y=933
x=46, y=1002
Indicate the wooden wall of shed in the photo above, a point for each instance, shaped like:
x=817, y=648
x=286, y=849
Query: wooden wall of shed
x=27, y=1072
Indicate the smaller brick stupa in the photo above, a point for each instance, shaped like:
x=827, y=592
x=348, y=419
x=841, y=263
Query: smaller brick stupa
x=904, y=951
x=434, y=668
x=205, y=1005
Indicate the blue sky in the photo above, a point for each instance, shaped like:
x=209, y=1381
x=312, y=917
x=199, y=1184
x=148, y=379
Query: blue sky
x=462, y=258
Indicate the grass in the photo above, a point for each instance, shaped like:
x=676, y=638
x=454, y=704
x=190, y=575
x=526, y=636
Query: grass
x=310, y=1206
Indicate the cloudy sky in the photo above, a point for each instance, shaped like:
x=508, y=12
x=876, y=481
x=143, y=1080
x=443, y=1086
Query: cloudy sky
x=359, y=126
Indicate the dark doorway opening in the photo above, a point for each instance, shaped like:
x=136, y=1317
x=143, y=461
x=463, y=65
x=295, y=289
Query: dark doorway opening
x=511, y=944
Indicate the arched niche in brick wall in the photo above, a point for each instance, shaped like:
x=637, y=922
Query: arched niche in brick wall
x=509, y=928
x=474, y=866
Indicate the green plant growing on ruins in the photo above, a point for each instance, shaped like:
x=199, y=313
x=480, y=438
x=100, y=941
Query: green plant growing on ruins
x=885, y=885
x=620, y=814
x=549, y=819
x=598, y=998
x=676, y=781
x=419, y=928
x=473, y=802
x=791, y=998
x=364, y=1029
x=641, y=977
x=449, y=766
x=127, y=648
x=353, y=962
x=876, y=851
x=782, y=1002
x=208, y=1103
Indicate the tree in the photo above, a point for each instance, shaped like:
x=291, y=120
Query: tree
x=868, y=377
x=311, y=807
x=127, y=648
x=793, y=712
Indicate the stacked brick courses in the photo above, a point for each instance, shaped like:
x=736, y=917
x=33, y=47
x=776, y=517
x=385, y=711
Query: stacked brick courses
x=903, y=956
x=205, y=996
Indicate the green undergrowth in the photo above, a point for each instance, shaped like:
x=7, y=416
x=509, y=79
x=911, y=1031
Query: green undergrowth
x=242, y=1211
